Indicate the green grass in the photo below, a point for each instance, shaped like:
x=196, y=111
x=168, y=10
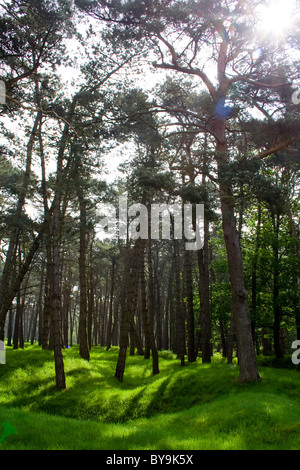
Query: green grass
x=200, y=406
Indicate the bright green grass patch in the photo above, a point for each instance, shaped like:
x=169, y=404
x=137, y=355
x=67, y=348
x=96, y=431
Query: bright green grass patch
x=195, y=407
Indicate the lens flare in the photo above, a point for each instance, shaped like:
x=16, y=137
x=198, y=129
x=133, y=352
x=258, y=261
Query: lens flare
x=275, y=16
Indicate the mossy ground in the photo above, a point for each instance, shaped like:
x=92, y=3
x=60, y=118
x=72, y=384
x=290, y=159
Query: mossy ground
x=196, y=407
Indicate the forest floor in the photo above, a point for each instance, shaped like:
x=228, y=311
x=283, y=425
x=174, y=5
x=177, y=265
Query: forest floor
x=196, y=407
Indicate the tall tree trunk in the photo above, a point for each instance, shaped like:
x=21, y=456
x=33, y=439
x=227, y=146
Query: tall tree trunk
x=190, y=307
x=56, y=242
x=6, y=281
x=56, y=310
x=276, y=306
x=144, y=306
x=47, y=299
x=254, y=276
x=155, y=366
x=17, y=326
x=110, y=318
x=127, y=314
x=83, y=320
x=167, y=320
x=223, y=337
x=179, y=319
x=157, y=303
x=204, y=292
x=239, y=295
x=205, y=315
x=10, y=327
x=297, y=277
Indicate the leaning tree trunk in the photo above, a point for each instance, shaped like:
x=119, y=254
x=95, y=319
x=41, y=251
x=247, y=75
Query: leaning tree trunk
x=239, y=294
x=55, y=271
x=6, y=281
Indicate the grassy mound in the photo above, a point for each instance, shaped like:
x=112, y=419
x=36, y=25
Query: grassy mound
x=200, y=406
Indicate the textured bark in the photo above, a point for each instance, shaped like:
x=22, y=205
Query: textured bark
x=205, y=316
x=179, y=319
x=56, y=243
x=191, y=349
x=7, y=288
x=110, y=317
x=276, y=306
x=83, y=321
x=155, y=366
x=144, y=307
x=254, y=277
x=127, y=314
x=239, y=295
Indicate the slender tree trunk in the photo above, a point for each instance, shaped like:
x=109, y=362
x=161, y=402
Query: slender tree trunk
x=55, y=312
x=276, y=306
x=297, y=276
x=155, y=366
x=254, y=276
x=205, y=315
x=144, y=306
x=55, y=271
x=17, y=325
x=110, y=318
x=190, y=307
x=157, y=303
x=179, y=320
x=10, y=327
x=127, y=314
x=204, y=284
x=223, y=338
x=35, y=314
x=167, y=321
x=83, y=320
x=47, y=300
x=6, y=281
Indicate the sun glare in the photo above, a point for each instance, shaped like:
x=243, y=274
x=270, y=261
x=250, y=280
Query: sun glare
x=276, y=16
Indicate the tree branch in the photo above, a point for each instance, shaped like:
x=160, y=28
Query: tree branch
x=276, y=148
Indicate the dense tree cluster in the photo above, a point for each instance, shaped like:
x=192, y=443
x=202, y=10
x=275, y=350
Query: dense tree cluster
x=199, y=104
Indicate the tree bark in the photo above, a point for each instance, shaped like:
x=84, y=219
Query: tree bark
x=144, y=306
x=110, y=317
x=179, y=319
x=276, y=306
x=239, y=295
x=83, y=320
x=155, y=366
x=56, y=242
x=127, y=314
x=205, y=316
x=6, y=282
x=191, y=349
x=254, y=276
